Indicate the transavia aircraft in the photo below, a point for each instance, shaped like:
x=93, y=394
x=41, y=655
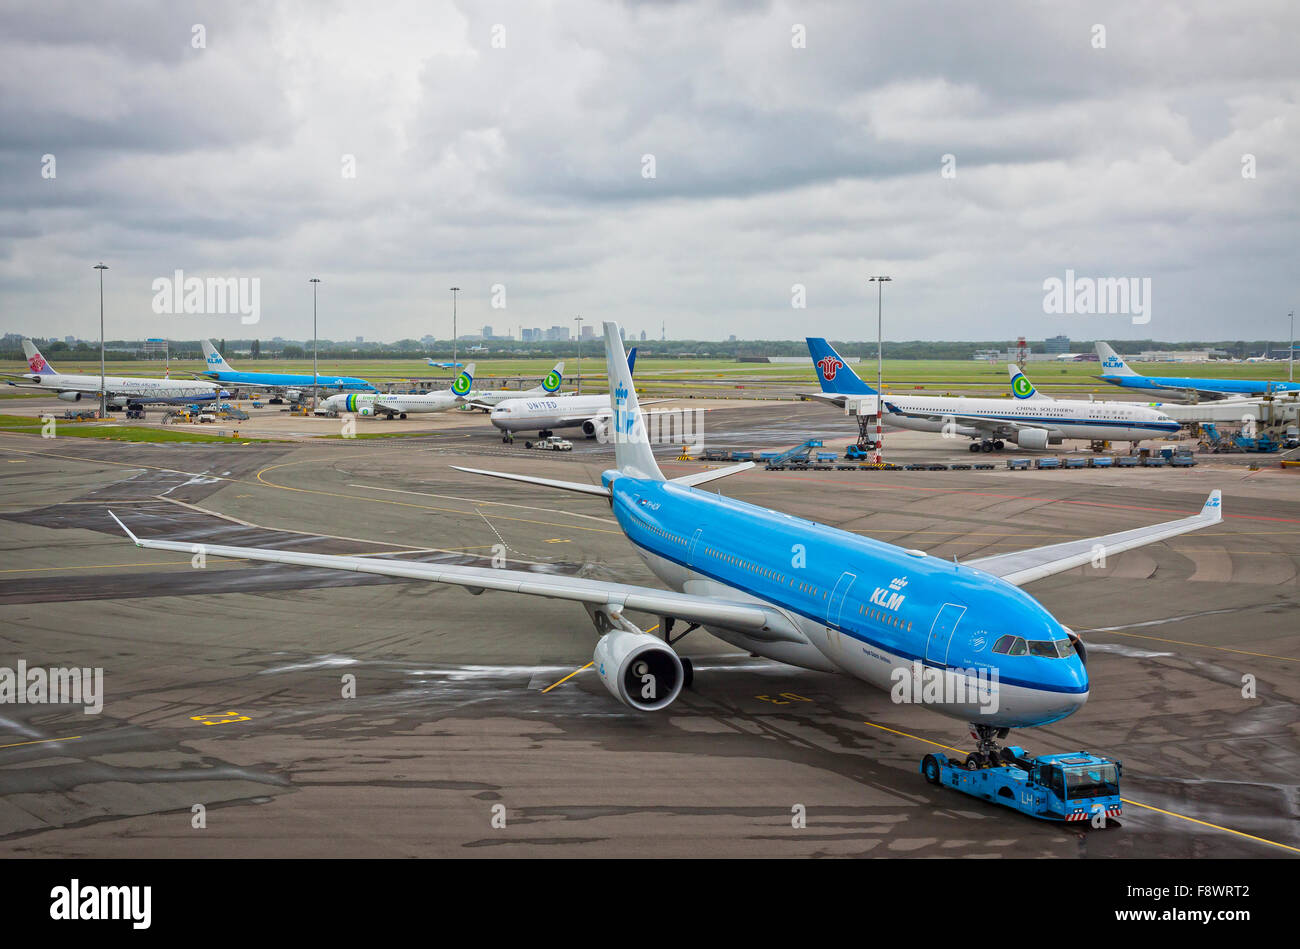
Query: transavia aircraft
x=1030, y=423
x=791, y=590
x=486, y=398
x=394, y=404
x=1117, y=372
x=292, y=386
x=118, y=390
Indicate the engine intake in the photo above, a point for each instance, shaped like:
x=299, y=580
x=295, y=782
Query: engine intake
x=70, y=396
x=1034, y=438
x=640, y=670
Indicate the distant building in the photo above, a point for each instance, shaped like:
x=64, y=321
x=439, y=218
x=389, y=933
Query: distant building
x=487, y=332
x=1057, y=344
x=361, y=339
x=643, y=336
x=588, y=331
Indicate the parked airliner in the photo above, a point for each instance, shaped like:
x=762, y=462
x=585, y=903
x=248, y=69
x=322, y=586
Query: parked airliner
x=550, y=386
x=1118, y=373
x=397, y=405
x=791, y=590
x=292, y=386
x=119, y=391
x=1030, y=423
x=546, y=414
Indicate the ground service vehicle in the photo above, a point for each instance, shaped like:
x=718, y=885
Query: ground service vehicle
x=1077, y=786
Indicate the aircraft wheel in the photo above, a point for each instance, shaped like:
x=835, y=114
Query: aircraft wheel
x=528, y=444
x=999, y=445
x=986, y=446
x=688, y=673
x=403, y=415
x=974, y=446
x=930, y=768
x=974, y=761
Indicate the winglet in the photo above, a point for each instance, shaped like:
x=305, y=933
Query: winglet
x=135, y=540
x=1213, y=507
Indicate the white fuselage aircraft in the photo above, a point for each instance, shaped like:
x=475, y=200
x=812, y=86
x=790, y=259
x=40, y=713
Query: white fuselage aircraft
x=1029, y=422
x=118, y=390
x=398, y=405
x=485, y=399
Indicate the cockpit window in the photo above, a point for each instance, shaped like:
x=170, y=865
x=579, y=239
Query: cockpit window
x=1054, y=649
x=1010, y=646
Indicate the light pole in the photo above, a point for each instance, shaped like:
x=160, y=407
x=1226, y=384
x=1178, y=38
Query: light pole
x=1290, y=353
x=315, y=377
x=578, y=319
x=103, y=395
x=454, y=291
x=880, y=362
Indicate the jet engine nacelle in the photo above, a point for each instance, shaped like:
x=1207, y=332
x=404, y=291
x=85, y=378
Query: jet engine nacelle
x=70, y=396
x=293, y=395
x=639, y=669
x=365, y=409
x=597, y=428
x=1033, y=438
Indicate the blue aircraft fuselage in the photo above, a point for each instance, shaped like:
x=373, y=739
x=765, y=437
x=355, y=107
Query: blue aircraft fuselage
x=1242, y=387
x=866, y=607
x=289, y=380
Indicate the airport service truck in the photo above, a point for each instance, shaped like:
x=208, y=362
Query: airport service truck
x=1077, y=786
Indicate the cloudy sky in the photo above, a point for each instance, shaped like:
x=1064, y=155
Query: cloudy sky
x=793, y=144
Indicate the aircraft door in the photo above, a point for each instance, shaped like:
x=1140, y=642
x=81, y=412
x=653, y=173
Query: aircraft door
x=836, y=604
x=945, y=624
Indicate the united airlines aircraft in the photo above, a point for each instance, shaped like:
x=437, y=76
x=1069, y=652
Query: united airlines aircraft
x=792, y=590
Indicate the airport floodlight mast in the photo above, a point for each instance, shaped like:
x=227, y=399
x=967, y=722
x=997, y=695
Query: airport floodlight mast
x=578, y=320
x=315, y=377
x=1290, y=353
x=454, y=291
x=880, y=343
x=103, y=395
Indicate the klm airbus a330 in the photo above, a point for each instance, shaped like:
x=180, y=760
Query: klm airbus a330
x=292, y=385
x=1118, y=373
x=792, y=590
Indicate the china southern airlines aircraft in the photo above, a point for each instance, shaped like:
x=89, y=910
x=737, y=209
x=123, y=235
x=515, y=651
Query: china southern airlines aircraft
x=1031, y=423
x=794, y=591
x=292, y=385
x=1117, y=372
x=394, y=404
x=118, y=390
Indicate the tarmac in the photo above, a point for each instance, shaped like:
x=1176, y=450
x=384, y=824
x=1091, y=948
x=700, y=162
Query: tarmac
x=475, y=729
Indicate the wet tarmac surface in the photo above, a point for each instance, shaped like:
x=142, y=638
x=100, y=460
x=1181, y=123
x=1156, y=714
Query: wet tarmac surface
x=225, y=686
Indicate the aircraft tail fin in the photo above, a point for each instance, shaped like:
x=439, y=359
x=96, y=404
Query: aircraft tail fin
x=464, y=383
x=833, y=371
x=1021, y=387
x=35, y=361
x=214, y=360
x=1112, y=363
x=631, y=360
x=554, y=379
x=632, y=452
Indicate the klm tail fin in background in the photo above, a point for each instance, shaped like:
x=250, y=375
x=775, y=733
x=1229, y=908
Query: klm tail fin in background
x=464, y=382
x=1112, y=363
x=632, y=452
x=213, y=359
x=833, y=372
x=1021, y=387
x=35, y=361
x=631, y=360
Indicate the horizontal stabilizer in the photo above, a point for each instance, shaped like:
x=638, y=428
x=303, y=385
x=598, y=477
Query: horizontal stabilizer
x=596, y=489
x=704, y=477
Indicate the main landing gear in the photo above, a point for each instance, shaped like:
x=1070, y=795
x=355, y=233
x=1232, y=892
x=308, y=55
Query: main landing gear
x=988, y=753
x=666, y=625
x=988, y=444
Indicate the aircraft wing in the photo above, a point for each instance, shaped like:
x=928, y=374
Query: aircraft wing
x=756, y=619
x=992, y=426
x=1025, y=566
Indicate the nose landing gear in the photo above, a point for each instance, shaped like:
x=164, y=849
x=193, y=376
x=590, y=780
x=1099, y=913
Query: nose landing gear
x=988, y=753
